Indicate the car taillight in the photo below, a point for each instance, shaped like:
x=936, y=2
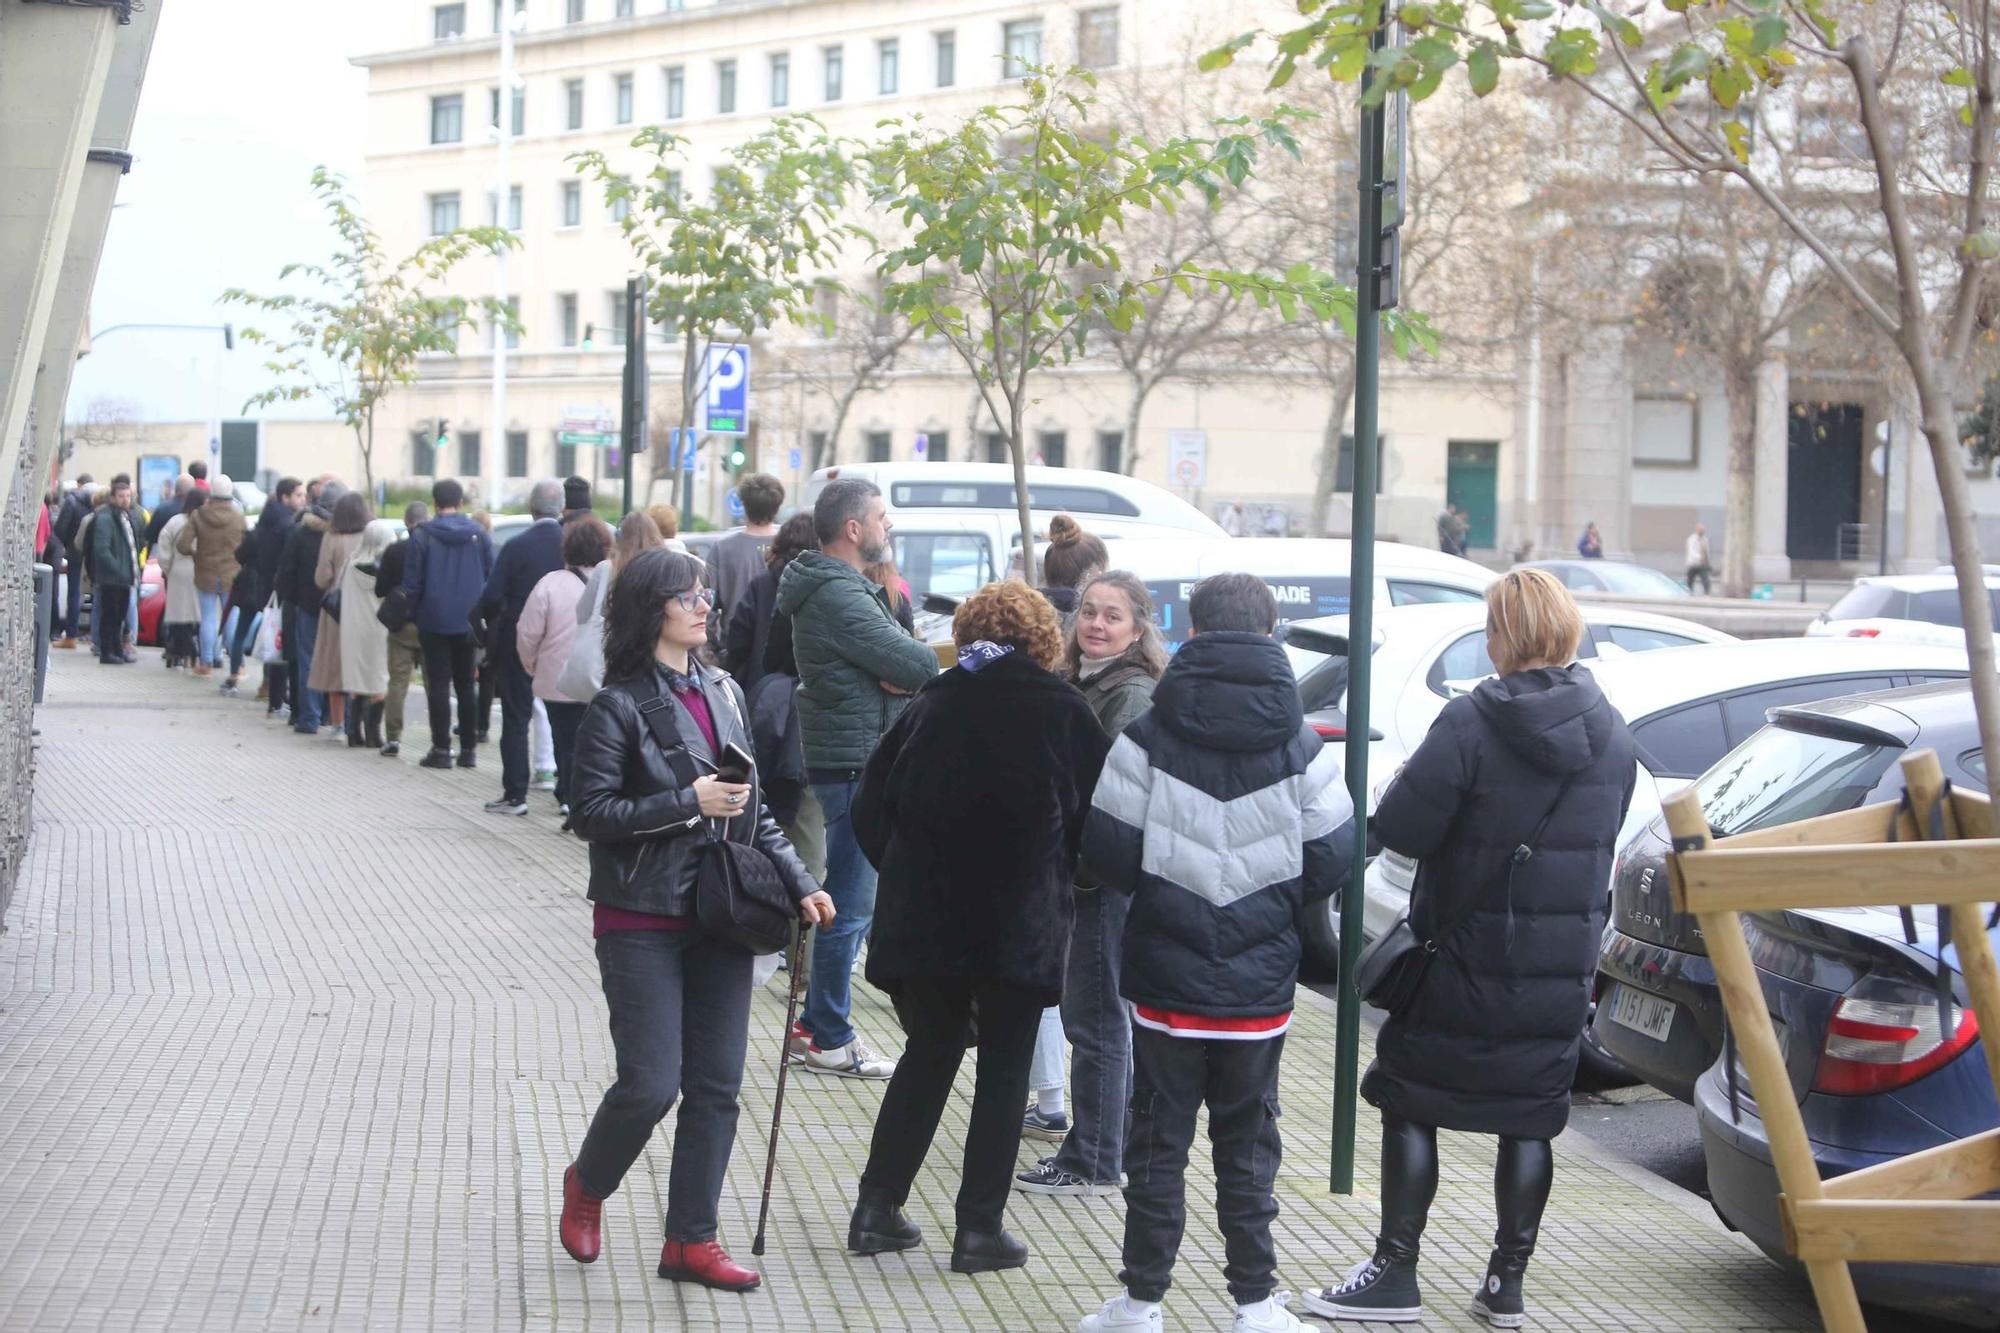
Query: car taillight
x=1864, y=632
x=1874, y=1045
x=1328, y=732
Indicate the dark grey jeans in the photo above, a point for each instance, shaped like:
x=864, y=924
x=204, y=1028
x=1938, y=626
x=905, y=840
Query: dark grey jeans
x=1099, y=1027
x=680, y=1016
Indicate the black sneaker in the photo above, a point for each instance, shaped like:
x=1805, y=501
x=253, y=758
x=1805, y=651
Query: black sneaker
x=503, y=806
x=436, y=759
x=1048, y=1178
x=392, y=749
x=468, y=759
x=1498, y=1300
x=1376, y=1292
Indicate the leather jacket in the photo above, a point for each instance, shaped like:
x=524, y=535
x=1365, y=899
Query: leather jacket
x=644, y=828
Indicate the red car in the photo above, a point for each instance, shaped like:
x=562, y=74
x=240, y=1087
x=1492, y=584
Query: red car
x=152, y=603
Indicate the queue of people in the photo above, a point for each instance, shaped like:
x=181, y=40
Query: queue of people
x=1068, y=839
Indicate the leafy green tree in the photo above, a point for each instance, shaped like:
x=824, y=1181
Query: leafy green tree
x=746, y=254
x=358, y=337
x=1014, y=221
x=1896, y=100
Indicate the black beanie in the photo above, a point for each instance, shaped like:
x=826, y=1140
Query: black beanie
x=576, y=493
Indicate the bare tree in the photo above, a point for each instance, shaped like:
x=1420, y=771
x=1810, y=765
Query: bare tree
x=107, y=421
x=858, y=343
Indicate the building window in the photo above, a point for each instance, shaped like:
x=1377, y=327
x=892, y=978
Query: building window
x=513, y=334
x=878, y=446
x=444, y=213
x=621, y=208
x=670, y=185
x=888, y=61
x=1666, y=430
x=1110, y=450
x=781, y=79
x=620, y=309
x=520, y=100
x=448, y=118
x=676, y=92
x=468, y=453
x=572, y=203
x=1097, y=37
x=725, y=86
x=513, y=209
x=423, y=453
x=622, y=98
x=573, y=104
x=1053, y=448
x=832, y=58
x=573, y=11
x=947, y=57
x=623, y=9
x=565, y=457
x=566, y=317
x=816, y=449
x=517, y=453
x=996, y=446
x=1021, y=40
x=937, y=446
x=448, y=23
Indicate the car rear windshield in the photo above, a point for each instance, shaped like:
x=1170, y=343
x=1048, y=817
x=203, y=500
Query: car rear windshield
x=1870, y=601
x=1000, y=495
x=1300, y=598
x=1638, y=581
x=1780, y=776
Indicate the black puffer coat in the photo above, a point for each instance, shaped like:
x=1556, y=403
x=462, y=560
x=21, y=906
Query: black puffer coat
x=1490, y=1042
x=972, y=807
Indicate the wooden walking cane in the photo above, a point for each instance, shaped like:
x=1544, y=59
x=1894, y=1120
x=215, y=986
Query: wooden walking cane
x=784, y=1066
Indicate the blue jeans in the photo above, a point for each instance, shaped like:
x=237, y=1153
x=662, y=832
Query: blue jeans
x=73, y=598
x=1099, y=1026
x=211, y=622
x=309, y=707
x=1045, y=1071
x=240, y=640
x=850, y=882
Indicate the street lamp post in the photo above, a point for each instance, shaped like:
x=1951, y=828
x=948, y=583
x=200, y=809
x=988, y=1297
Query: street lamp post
x=493, y=462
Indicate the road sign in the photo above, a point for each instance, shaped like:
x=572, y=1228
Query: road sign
x=923, y=445
x=1187, y=458
x=597, y=439
x=735, y=505
x=678, y=457
x=726, y=405
x=588, y=417
x=797, y=459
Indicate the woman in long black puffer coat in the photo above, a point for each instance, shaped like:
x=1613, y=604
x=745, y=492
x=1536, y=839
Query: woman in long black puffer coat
x=1489, y=1044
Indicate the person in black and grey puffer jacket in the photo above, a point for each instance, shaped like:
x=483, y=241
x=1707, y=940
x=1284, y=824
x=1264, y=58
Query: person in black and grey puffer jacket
x=1223, y=815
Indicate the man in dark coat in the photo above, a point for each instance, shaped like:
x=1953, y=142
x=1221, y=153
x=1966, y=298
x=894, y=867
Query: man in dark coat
x=300, y=595
x=406, y=647
x=521, y=564
x=1225, y=817
x=113, y=543
x=69, y=517
x=444, y=573
x=274, y=527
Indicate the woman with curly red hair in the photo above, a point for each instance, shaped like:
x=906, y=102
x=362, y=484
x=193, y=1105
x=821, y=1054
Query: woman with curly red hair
x=972, y=809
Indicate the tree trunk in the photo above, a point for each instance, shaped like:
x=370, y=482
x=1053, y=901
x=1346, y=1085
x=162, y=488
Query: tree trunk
x=685, y=438
x=364, y=438
x=1128, y=454
x=1739, y=523
x=1017, y=447
x=840, y=409
x=1329, y=451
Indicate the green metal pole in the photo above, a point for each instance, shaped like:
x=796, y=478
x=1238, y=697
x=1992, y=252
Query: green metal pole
x=1360, y=636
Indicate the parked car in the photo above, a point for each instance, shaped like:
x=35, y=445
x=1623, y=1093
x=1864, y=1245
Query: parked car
x=1876, y=1070
x=1309, y=576
x=1687, y=709
x=1909, y=608
x=152, y=604
x=250, y=497
x=1619, y=578
x=1660, y=1013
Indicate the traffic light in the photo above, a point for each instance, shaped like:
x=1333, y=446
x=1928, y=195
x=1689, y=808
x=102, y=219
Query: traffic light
x=737, y=457
x=589, y=336
x=444, y=433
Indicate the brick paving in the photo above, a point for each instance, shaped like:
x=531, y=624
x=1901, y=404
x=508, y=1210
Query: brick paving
x=296, y=1037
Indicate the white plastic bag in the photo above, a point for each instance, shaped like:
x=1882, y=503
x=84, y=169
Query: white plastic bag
x=270, y=641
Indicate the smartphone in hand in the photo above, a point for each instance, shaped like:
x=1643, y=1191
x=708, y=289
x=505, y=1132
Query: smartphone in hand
x=735, y=764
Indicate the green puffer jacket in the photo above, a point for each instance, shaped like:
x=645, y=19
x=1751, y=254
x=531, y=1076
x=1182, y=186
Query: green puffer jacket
x=848, y=644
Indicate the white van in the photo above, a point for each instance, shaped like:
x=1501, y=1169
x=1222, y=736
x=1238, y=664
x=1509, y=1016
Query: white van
x=956, y=528
x=1308, y=575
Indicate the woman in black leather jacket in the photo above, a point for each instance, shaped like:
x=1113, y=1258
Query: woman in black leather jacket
x=679, y=997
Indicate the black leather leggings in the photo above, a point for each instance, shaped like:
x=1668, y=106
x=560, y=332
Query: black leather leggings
x=1521, y=1183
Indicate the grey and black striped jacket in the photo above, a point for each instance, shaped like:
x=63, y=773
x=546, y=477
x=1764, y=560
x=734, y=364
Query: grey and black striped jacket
x=1223, y=815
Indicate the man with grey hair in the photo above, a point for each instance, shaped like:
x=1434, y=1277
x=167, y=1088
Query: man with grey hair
x=857, y=668
x=170, y=504
x=521, y=564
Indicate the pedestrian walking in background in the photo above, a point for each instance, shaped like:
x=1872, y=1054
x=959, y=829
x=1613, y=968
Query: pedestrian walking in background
x=679, y=996
x=521, y=564
x=972, y=808
x=213, y=535
x=74, y=509
x=1699, y=565
x=738, y=560
x=576, y=498
x=172, y=497
x=636, y=533
x=857, y=669
x=406, y=649
x=1510, y=807
x=755, y=622
x=181, y=618
x=300, y=589
x=1212, y=940
x=1114, y=656
x=668, y=520
x=247, y=595
x=444, y=573
x=351, y=515
x=364, y=640
x=1590, y=545
x=548, y=628
x=112, y=542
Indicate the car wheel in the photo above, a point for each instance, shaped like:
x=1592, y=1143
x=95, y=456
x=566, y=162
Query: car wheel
x=1320, y=927
x=1595, y=1066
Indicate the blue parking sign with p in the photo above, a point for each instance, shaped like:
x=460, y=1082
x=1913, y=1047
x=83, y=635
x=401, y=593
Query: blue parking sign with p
x=726, y=404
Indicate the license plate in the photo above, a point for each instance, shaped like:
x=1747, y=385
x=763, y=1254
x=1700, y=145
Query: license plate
x=1641, y=1012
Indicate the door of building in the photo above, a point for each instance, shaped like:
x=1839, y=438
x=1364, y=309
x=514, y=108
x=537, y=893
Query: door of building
x=1823, y=478
x=239, y=450
x=1472, y=482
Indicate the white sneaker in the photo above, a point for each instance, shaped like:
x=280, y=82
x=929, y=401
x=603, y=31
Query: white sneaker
x=853, y=1060
x=544, y=780
x=1270, y=1316
x=1119, y=1315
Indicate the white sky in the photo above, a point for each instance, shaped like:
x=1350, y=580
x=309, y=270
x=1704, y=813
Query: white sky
x=242, y=99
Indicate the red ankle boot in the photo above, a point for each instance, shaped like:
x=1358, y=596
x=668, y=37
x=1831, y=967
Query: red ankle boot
x=705, y=1262
x=581, y=1219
